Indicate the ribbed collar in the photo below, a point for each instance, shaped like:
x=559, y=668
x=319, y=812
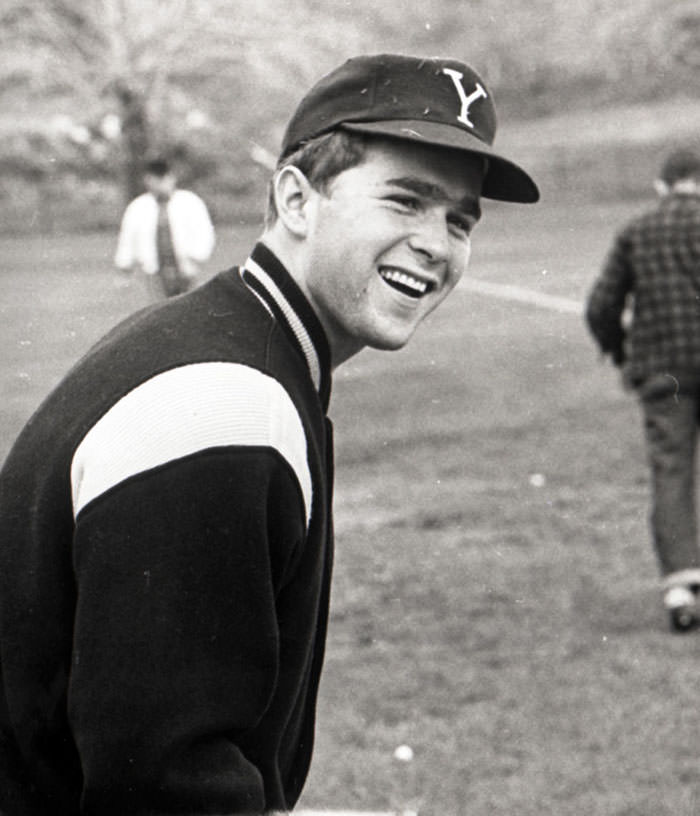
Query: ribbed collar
x=267, y=277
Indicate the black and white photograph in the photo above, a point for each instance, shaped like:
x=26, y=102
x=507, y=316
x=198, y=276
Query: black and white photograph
x=349, y=406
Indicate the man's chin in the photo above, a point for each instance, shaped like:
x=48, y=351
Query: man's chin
x=392, y=342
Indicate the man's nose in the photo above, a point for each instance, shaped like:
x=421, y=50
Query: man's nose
x=430, y=238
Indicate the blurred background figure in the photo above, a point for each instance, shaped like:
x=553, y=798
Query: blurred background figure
x=655, y=265
x=165, y=233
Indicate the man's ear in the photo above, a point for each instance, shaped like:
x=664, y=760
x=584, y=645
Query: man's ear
x=292, y=191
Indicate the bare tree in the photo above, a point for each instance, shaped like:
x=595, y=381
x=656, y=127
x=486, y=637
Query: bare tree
x=147, y=61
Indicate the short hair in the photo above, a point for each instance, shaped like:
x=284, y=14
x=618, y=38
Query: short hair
x=157, y=167
x=320, y=159
x=683, y=163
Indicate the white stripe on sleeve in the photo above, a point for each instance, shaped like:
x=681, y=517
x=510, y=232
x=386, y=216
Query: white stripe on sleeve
x=183, y=411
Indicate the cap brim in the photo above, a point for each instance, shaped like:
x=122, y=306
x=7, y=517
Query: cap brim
x=504, y=180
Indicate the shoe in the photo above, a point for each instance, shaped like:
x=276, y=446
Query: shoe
x=681, y=603
x=682, y=619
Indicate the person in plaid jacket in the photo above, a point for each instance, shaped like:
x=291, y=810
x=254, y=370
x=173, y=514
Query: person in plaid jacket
x=644, y=311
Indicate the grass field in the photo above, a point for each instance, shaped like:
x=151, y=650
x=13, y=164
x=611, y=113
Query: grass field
x=495, y=603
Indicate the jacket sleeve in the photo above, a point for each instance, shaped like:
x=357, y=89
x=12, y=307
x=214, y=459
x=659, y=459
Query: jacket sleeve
x=607, y=300
x=194, y=235
x=178, y=567
x=125, y=255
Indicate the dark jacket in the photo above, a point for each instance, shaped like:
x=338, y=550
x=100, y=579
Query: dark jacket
x=165, y=559
x=653, y=268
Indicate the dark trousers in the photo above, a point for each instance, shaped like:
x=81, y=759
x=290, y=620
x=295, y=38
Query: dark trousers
x=671, y=415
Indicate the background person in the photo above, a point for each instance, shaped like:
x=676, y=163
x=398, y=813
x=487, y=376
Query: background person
x=166, y=233
x=654, y=267
x=165, y=516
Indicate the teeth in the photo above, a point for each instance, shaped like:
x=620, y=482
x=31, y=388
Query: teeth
x=396, y=276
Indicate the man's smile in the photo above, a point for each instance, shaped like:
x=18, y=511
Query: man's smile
x=405, y=282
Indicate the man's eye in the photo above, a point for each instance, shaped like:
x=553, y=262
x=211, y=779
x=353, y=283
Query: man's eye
x=408, y=202
x=462, y=223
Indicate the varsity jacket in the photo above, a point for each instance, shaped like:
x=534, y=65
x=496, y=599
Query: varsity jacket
x=165, y=560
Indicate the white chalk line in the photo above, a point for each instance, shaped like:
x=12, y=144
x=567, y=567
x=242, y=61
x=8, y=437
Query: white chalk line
x=522, y=295
x=353, y=813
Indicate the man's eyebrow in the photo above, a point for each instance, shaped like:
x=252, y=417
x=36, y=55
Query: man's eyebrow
x=434, y=192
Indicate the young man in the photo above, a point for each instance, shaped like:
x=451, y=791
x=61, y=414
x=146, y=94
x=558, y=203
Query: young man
x=165, y=233
x=655, y=264
x=165, y=517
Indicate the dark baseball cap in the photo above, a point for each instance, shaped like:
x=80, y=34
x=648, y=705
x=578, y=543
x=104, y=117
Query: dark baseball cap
x=436, y=101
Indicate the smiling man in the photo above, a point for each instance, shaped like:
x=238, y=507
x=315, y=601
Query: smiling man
x=165, y=516
x=398, y=225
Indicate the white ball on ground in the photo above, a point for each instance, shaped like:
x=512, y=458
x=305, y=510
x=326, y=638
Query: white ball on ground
x=404, y=753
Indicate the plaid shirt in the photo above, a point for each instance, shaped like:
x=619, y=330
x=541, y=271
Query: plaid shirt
x=654, y=268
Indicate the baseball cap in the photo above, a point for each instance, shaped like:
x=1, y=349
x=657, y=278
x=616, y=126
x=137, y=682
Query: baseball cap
x=436, y=101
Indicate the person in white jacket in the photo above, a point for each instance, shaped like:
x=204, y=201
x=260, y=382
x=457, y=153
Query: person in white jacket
x=165, y=233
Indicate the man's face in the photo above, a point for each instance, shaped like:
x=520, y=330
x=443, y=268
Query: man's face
x=388, y=241
x=162, y=187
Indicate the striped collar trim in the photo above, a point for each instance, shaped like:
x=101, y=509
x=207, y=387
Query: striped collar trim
x=274, y=286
